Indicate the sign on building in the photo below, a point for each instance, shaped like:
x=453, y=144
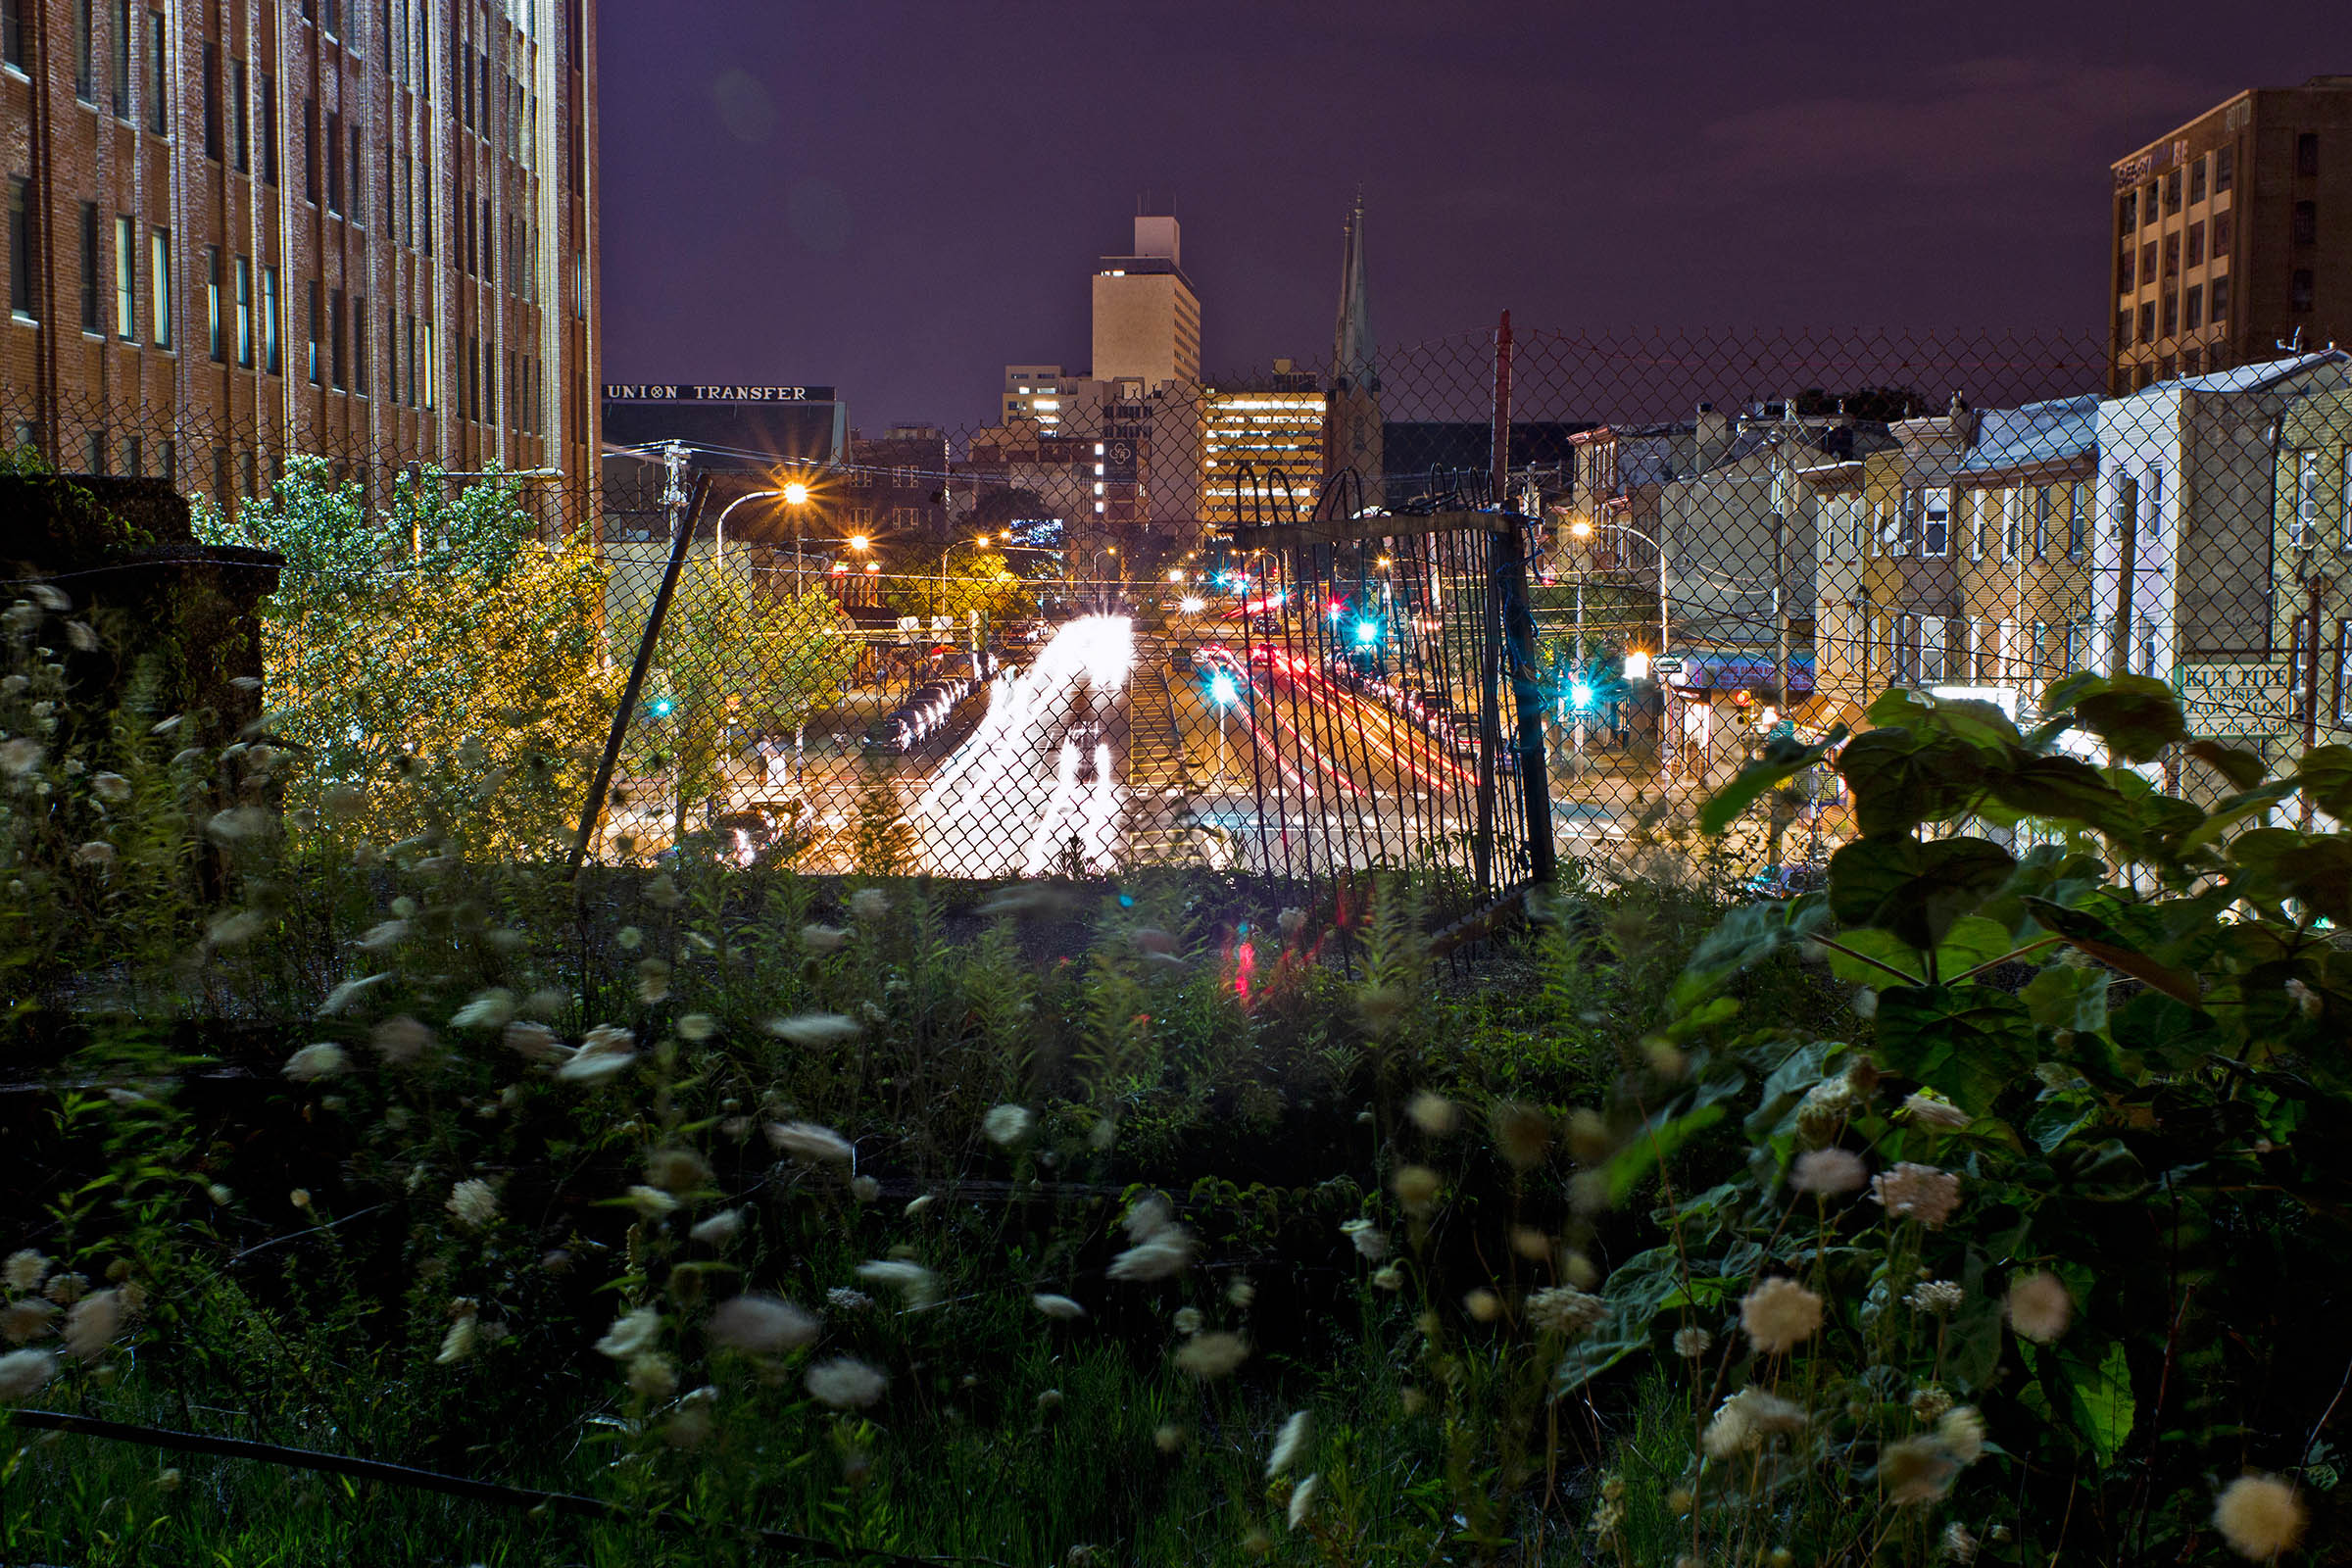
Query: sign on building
x=2236, y=700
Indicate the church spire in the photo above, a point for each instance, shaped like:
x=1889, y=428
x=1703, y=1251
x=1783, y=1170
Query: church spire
x=1352, y=363
x=1351, y=422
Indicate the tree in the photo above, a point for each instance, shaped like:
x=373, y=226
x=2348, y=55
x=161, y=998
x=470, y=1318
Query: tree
x=440, y=643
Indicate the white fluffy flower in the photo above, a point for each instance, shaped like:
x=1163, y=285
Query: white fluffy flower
x=1207, y=1356
x=608, y=1050
x=1290, y=1444
x=1828, y=1172
x=1006, y=1125
x=1057, y=1306
x=92, y=1323
x=815, y=1028
x=720, y=1228
x=868, y=905
x=24, y=1270
x=807, y=1140
x=22, y=1373
x=1371, y=1242
x=1565, y=1310
x=1918, y=1192
x=1779, y=1314
x=458, y=1343
x=631, y=1334
x=1932, y=1112
x=823, y=938
x=2260, y=1516
x=472, y=1202
x=917, y=1284
x=1165, y=1253
x=400, y=1040
x=1302, y=1500
x=2040, y=1307
x=323, y=1059
x=762, y=1325
x=844, y=1382
x=489, y=1009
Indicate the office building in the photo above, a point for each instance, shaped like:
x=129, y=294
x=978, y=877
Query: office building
x=2234, y=236
x=1263, y=442
x=1041, y=393
x=1146, y=320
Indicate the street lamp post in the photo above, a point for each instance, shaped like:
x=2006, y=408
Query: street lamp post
x=1583, y=529
x=796, y=496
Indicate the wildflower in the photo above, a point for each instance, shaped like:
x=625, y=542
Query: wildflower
x=1932, y=1110
x=219, y=1194
x=472, y=1202
x=342, y=996
x=1290, y=921
x=533, y=1042
x=845, y=1300
x=1188, y=1320
x=917, y=1284
x=1935, y=1297
x=22, y=1374
x=1006, y=1125
x=1416, y=1188
x=1691, y=1343
x=112, y=788
x=631, y=1334
x=762, y=1325
x=652, y=981
x=822, y=938
x=383, y=936
x=815, y=1028
x=2260, y=1516
x=678, y=1171
x=1962, y=1430
x=546, y=1001
x=1779, y=1314
x=1149, y=1216
x=1302, y=1500
x=80, y=635
x=696, y=1026
x=651, y=1202
x=807, y=1140
x=238, y=823
x=344, y=802
x=608, y=1050
x=323, y=1059
x=1389, y=1277
x=1371, y=1242
x=719, y=1229
x=1565, y=1310
x=458, y=1343
x=917, y=1203
x=20, y=757
x=1828, y=1172
x=628, y=939
x=868, y=905
x=98, y=854
x=489, y=1009
x=1918, y=1192
x=24, y=1270
x=1290, y=1446
x=1929, y=1402
x=91, y=1323
x=1434, y=1114
x=235, y=927
x=1483, y=1305
x=300, y=1196
x=1162, y=1248
x=1208, y=1357
x=662, y=892
x=1168, y=1437
x=1917, y=1470
x=1958, y=1544
x=400, y=1040
x=1240, y=1294
x=844, y=1382
x=1047, y=1401
x=28, y=1319
x=653, y=1377
x=2040, y=1307
x=1522, y=1131
x=1057, y=1306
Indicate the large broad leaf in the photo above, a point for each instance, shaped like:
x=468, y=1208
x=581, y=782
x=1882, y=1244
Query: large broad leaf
x=1748, y=933
x=2327, y=772
x=2064, y=787
x=2087, y=930
x=2282, y=864
x=2137, y=715
x=1636, y=1290
x=2233, y=810
x=2242, y=768
x=2098, y=1396
x=2063, y=694
x=2065, y=996
x=1655, y=1143
x=1970, y=1042
x=1902, y=778
x=1785, y=756
x=1913, y=889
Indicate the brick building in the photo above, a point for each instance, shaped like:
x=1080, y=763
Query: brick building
x=245, y=229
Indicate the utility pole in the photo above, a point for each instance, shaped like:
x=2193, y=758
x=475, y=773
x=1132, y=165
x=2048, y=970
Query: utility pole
x=2311, y=682
x=673, y=491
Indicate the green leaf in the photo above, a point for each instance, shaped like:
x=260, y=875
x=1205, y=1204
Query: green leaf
x=2327, y=772
x=2065, y=788
x=1636, y=1290
x=1751, y=932
x=2137, y=715
x=2061, y=695
x=1658, y=1140
x=2242, y=768
x=1915, y=889
x=1901, y=779
x=1886, y=947
x=2066, y=995
x=2099, y=1397
x=1785, y=756
x=1969, y=1042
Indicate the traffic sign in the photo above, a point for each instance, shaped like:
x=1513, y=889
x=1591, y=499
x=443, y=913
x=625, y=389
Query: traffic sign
x=1667, y=667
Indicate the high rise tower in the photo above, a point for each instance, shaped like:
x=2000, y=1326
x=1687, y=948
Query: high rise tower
x=1352, y=434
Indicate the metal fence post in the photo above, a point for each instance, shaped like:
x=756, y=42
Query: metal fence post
x=679, y=544
x=1509, y=556
x=1489, y=683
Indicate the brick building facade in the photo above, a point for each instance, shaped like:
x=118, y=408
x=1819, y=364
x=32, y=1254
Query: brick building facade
x=244, y=229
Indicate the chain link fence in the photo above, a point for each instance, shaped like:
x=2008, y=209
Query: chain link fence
x=1490, y=600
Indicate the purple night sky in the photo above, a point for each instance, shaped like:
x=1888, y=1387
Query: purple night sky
x=901, y=198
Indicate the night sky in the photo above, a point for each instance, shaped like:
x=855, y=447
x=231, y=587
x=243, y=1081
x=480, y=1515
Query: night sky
x=898, y=199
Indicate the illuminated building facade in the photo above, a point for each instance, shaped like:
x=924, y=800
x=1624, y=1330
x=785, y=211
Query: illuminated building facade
x=1264, y=424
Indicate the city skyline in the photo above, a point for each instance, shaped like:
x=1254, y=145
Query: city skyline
x=1776, y=181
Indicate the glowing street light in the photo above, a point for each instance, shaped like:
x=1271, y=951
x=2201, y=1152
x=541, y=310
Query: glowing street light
x=796, y=494
x=1223, y=692
x=1580, y=694
x=1192, y=603
x=1367, y=633
x=858, y=541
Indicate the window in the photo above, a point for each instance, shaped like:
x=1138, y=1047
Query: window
x=2193, y=361
x=2125, y=279
x=359, y=204
x=11, y=33
x=2298, y=289
x=2307, y=153
x=2147, y=322
x=334, y=339
x=245, y=311
x=85, y=52
x=1973, y=510
x=2077, y=513
x=270, y=335
x=2171, y=192
x=127, y=294
x=215, y=342
x=2225, y=225
x=334, y=162
x=2123, y=326
x=2148, y=263
x=209, y=83
x=2343, y=687
x=94, y=451
x=2013, y=506
x=2192, y=308
x=2305, y=227
x=267, y=95
x=2219, y=311
x=310, y=149
x=2196, y=245
x=21, y=247
x=489, y=264
x=159, y=285
x=1936, y=533
x=118, y=77
x=2172, y=256
x=134, y=459
x=2300, y=664
x=425, y=366
x=2224, y=168
x=468, y=203
x=310, y=324
x=2305, y=529
x=157, y=75
x=2196, y=182
x=239, y=120
x=90, y=319
x=2042, y=647
x=2126, y=213
x=2172, y=314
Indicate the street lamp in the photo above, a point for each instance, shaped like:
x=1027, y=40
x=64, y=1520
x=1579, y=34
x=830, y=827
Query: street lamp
x=1583, y=529
x=1224, y=693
